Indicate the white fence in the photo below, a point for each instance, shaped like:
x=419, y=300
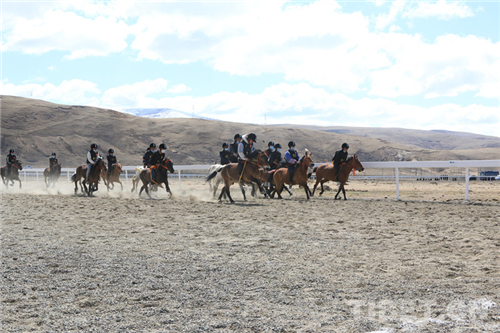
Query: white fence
x=129, y=171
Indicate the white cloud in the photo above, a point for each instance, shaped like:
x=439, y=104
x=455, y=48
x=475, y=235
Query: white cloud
x=179, y=89
x=133, y=95
x=441, y=9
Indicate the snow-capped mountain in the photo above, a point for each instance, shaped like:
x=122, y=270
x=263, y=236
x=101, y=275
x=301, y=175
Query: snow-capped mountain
x=162, y=113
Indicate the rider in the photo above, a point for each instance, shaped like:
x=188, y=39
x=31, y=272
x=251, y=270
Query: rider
x=11, y=159
x=92, y=158
x=155, y=161
x=275, y=157
x=224, y=154
x=233, y=149
x=246, y=150
x=270, y=148
x=292, y=158
x=52, y=161
x=340, y=158
x=111, y=160
x=147, y=156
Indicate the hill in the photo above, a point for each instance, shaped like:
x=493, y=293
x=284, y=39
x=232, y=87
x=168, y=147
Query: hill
x=36, y=128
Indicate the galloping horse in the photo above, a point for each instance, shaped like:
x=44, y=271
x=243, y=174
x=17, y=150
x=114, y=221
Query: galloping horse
x=93, y=181
x=326, y=172
x=281, y=176
x=215, y=182
x=250, y=174
x=161, y=176
x=16, y=167
x=114, y=177
x=53, y=175
x=136, y=178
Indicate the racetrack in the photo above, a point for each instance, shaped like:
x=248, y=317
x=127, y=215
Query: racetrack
x=117, y=263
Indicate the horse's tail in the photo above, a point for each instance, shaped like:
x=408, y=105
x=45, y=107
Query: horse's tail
x=73, y=178
x=315, y=168
x=211, y=176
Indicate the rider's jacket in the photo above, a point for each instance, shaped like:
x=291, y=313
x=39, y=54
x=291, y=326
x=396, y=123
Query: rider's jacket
x=156, y=158
x=245, y=149
x=92, y=156
x=111, y=160
x=275, y=159
x=52, y=161
x=268, y=152
x=11, y=158
x=340, y=157
x=289, y=155
x=147, y=157
x=224, y=156
x=233, y=149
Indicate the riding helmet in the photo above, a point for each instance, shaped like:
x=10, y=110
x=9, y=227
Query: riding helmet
x=92, y=146
x=163, y=146
x=153, y=145
x=111, y=150
x=291, y=144
x=345, y=145
x=252, y=136
x=270, y=143
x=11, y=151
x=277, y=146
x=225, y=145
x=237, y=136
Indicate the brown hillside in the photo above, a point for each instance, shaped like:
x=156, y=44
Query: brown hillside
x=36, y=128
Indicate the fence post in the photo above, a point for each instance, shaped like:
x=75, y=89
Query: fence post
x=67, y=173
x=180, y=183
x=24, y=176
x=397, y=183
x=37, y=176
x=126, y=176
x=467, y=184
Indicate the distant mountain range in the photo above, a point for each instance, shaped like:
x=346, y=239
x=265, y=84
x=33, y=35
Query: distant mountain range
x=162, y=113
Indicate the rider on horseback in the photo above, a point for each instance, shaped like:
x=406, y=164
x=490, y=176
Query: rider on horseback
x=224, y=154
x=340, y=158
x=92, y=158
x=111, y=160
x=147, y=156
x=270, y=149
x=246, y=150
x=233, y=149
x=155, y=161
x=11, y=159
x=292, y=158
x=275, y=157
x=52, y=161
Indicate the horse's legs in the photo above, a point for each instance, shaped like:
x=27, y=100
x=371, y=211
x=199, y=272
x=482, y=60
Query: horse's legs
x=306, y=188
x=322, y=189
x=222, y=192
x=340, y=189
x=343, y=191
x=121, y=185
x=315, y=186
x=280, y=190
x=229, y=195
x=243, y=191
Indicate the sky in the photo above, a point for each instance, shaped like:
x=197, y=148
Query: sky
x=408, y=64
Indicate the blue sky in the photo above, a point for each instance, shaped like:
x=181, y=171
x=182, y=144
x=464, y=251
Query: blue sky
x=410, y=64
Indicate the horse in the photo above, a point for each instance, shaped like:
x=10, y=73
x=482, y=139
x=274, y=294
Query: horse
x=136, y=178
x=15, y=168
x=53, y=175
x=93, y=181
x=214, y=183
x=114, y=177
x=326, y=172
x=300, y=176
x=161, y=176
x=250, y=174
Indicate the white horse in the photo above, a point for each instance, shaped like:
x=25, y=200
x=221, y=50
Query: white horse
x=136, y=179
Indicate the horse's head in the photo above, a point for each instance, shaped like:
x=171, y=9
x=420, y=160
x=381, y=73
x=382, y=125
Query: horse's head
x=262, y=159
x=57, y=168
x=356, y=164
x=101, y=165
x=307, y=159
x=18, y=164
x=168, y=164
x=118, y=167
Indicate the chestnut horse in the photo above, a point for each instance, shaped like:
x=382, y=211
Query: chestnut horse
x=53, y=175
x=114, y=177
x=326, y=172
x=281, y=176
x=161, y=176
x=16, y=166
x=250, y=174
x=93, y=181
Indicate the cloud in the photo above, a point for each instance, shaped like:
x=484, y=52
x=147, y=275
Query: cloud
x=179, y=89
x=442, y=9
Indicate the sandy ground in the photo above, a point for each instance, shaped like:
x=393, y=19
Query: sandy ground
x=113, y=262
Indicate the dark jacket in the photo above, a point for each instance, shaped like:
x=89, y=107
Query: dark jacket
x=224, y=156
x=275, y=160
x=147, y=157
x=340, y=157
x=11, y=158
x=52, y=162
x=233, y=149
x=156, y=158
x=268, y=152
x=111, y=160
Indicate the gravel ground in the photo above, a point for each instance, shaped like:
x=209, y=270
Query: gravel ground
x=118, y=263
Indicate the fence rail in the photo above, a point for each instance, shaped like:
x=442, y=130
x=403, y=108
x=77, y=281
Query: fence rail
x=129, y=171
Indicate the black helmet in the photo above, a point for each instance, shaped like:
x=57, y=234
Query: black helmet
x=270, y=143
x=237, y=136
x=252, y=136
x=111, y=150
x=163, y=146
x=11, y=151
x=345, y=145
x=277, y=146
x=153, y=145
x=53, y=154
x=224, y=145
x=92, y=146
x=291, y=144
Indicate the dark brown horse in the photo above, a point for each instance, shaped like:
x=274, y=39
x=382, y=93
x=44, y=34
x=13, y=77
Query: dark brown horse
x=326, y=172
x=161, y=176
x=250, y=174
x=15, y=168
x=114, y=177
x=281, y=176
x=93, y=181
x=53, y=175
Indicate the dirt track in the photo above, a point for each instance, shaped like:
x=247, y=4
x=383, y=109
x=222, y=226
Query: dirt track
x=117, y=263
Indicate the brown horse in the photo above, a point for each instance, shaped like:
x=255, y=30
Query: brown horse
x=53, y=175
x=281, y=176
x=93, y=181
x=114, y=177
x=161, y=176
x=326, y=172
x=16, y=167
x=250, y=174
